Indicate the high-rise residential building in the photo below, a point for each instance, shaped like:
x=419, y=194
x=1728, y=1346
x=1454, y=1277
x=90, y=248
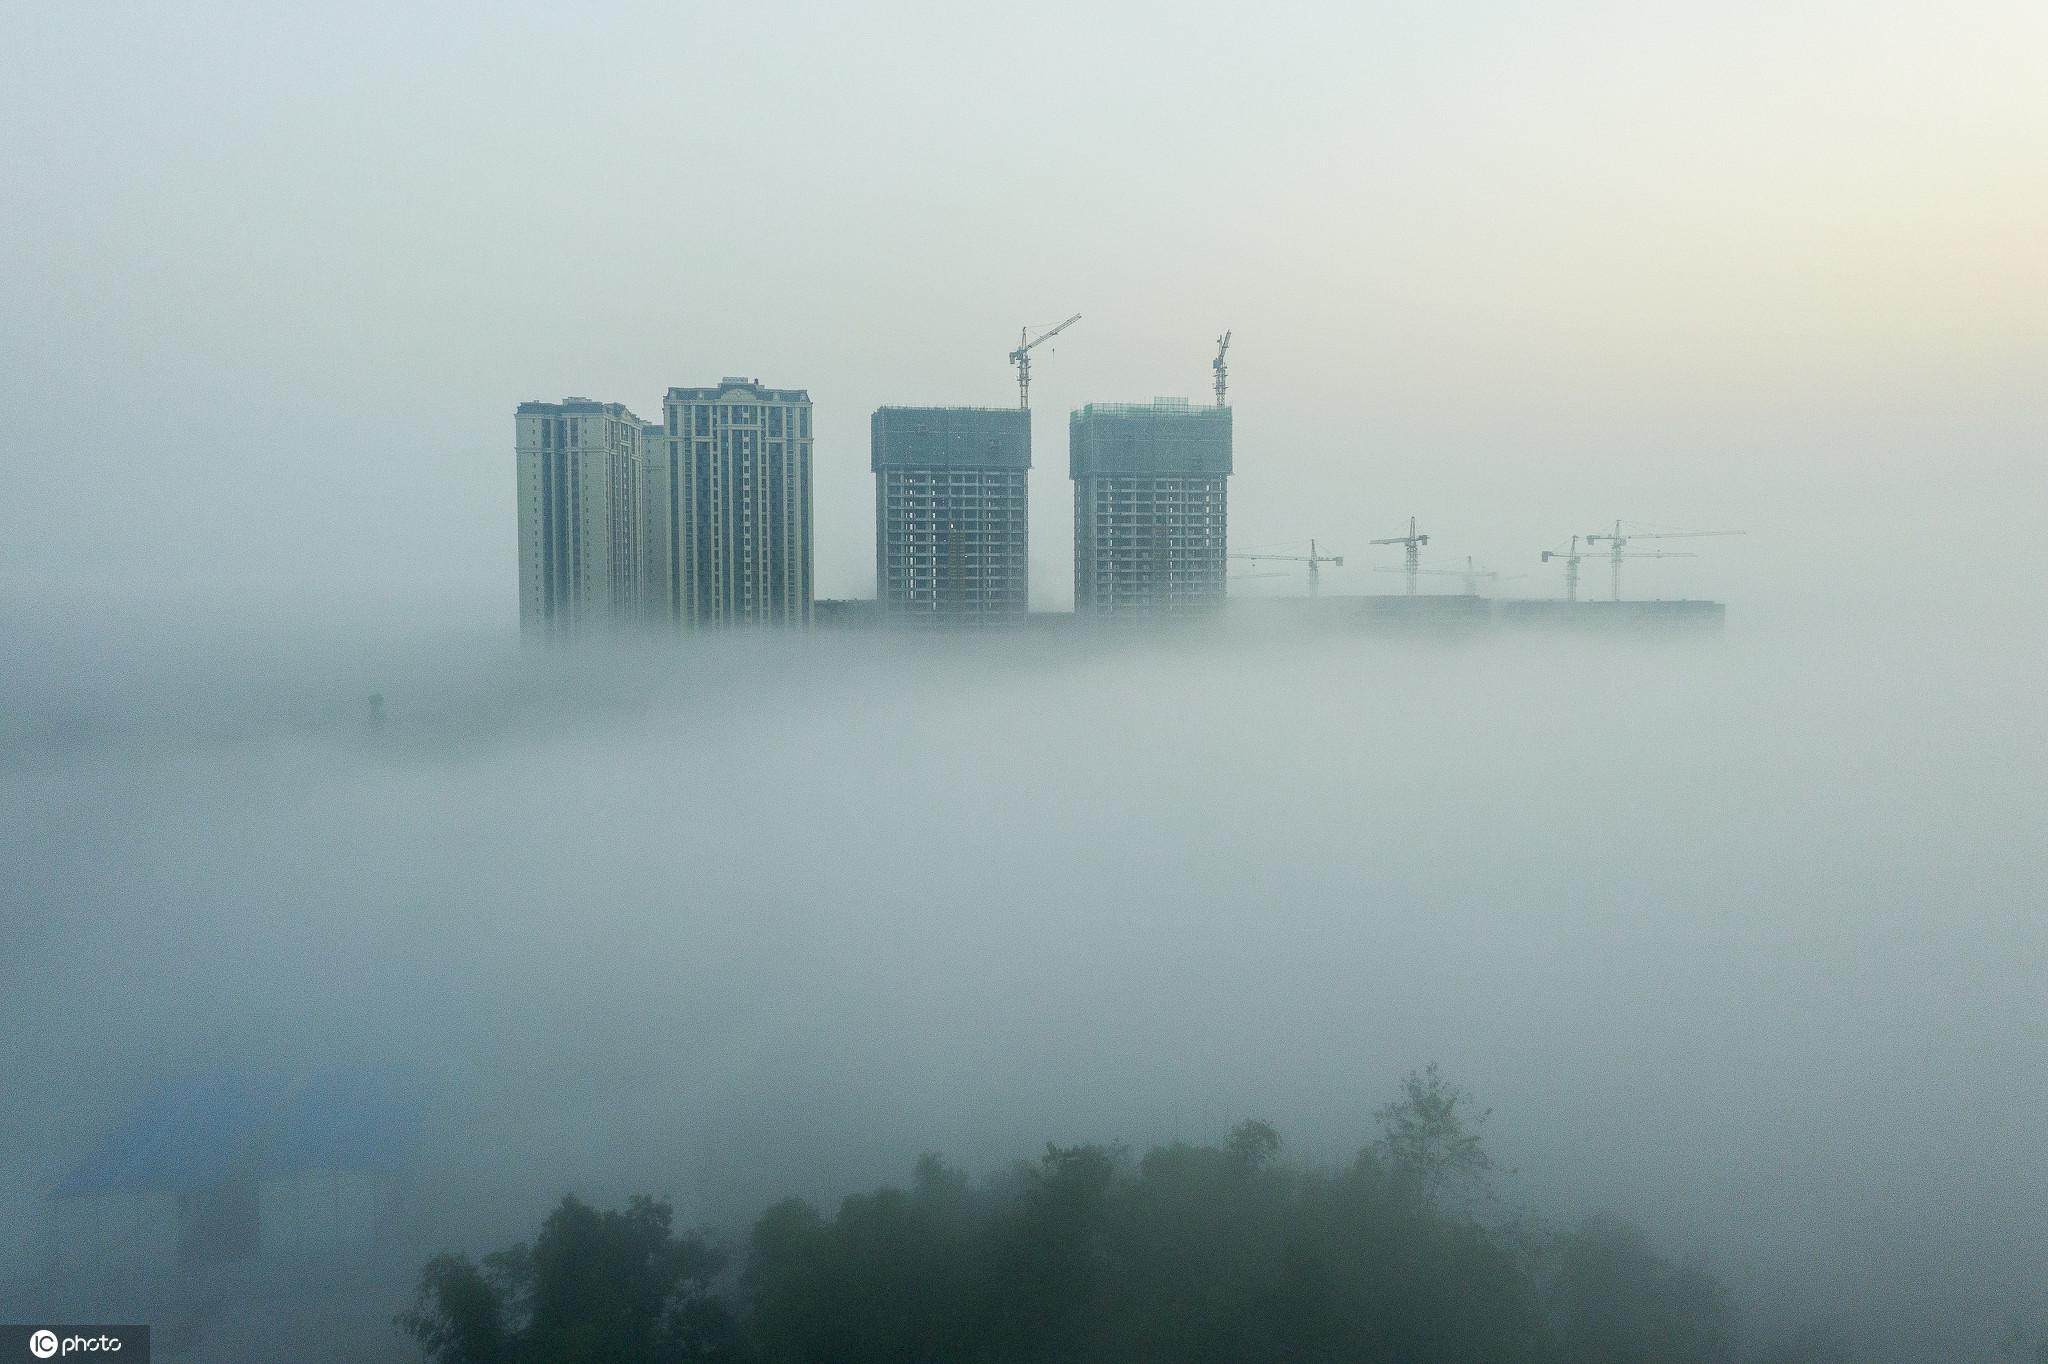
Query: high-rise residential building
x=728, y=494
x=1150, y=506
x=580, y=470
x=951, y=517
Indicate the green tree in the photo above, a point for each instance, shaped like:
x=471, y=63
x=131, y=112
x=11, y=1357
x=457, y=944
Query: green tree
x=1430, y=1138
x=1198, y=1254
x=1195, y=1252
x=610, y=1287
x=1048, y=1254
x=895, y=1277
x=1252, y=1143
x=1618, y=1302
x=459, y=1314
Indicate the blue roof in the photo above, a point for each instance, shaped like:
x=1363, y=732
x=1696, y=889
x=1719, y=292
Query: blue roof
x=194, y=1133
x=349, y=1119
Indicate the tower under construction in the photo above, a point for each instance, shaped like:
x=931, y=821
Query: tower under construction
x=951, y=514
x=1150, y=506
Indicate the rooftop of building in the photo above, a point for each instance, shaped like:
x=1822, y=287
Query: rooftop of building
x=1008, y=412
x=950, y=438
x=191, y=1133
x=734, y=388
x=1164, y=436
x=1158, y=407
x=575, y=407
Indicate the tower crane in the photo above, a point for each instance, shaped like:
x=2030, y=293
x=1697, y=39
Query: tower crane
x=1021, y=357
x=1571, y=559
x=1414, y=543
x=1314, y=559
x=1470, y=573
x=1617, y=538
x=1222, y=370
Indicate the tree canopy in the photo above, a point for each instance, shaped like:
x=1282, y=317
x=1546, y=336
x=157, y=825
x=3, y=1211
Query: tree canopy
x=1189, y=1254
x=593, y=1287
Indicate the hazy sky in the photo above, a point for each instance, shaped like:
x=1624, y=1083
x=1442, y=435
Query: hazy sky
x=275, y=279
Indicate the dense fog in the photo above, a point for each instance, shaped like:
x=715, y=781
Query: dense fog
x=1739, y=935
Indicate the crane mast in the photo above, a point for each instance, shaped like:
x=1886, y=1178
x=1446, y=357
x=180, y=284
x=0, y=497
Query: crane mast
x=1571, y=559
x=1021, y=357
x=1413, y=558
x=1222, y=370
x=1473, y=573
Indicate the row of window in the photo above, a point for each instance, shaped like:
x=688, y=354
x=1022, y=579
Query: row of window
x=703, y=418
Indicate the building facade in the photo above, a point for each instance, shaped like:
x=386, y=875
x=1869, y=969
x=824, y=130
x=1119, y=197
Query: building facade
x=581, y=468
x=728, y=498
x=952, y=522
x=1151, y=508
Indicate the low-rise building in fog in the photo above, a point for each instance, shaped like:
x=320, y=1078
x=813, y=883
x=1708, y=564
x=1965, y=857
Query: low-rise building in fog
x=952, y=517
x=237, y=1166
x=1150, y=507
